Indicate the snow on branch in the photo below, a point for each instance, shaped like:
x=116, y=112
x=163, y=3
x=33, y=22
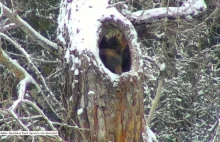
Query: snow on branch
x=147, y=133
x=21, y=100
x=27, y=56
x=12, y=65
x=26, y=78
x=187, y=9
x=45, y=43
x=216, y=46
x=21, y=93
x=8, y=27
x=155, y=101
x=21, y=73
x=216, y=131
x=41, y=113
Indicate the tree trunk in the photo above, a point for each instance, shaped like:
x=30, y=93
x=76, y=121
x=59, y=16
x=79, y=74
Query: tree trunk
x=106, y=106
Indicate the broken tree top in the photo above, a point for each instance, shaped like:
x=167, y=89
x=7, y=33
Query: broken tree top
x=81, y=25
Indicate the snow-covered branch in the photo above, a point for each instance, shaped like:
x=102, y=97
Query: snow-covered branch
x=155, y=101
x=21, y=73
x=27, y=56
x=187, y=9
x=45, y=43
x=18, y=120
x=12, y=65
x=26, y=78
x=41, y=113
x=8, y=27
x=21, y=93
x=216, y=131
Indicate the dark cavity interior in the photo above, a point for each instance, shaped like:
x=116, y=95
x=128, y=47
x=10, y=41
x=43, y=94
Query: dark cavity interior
x=114, y=53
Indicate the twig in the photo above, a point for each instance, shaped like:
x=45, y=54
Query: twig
x=45, y=43
x=155, y=101
x=35, y=69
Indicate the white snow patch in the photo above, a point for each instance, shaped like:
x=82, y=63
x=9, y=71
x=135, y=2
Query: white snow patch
x=91, y=93
x=67, y=56
x=151, y=135
x=77, y=61
x=152, y=78
x=200, y=92
x=26, y=95
x=115, y=83
x=160, y=35
x=76, y=72
x=71, y=98
x=162, y=66
x=80, y=111
x=1, y=9
x=4, y=137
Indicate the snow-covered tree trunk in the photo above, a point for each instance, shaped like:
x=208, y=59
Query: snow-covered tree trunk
x=108, y=106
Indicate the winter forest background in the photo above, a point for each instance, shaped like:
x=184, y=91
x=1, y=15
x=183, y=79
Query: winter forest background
x=188, y=45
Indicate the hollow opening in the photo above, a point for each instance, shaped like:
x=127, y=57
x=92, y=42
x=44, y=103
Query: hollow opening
x=114, y=52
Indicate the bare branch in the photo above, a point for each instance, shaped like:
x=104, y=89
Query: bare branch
x=17, y=103
x=36, y=59
x=8, y=27
x=38, y=73
x=191, y=7
x=41, y=112
x=18, y=120
x=45, y=43
x=11, y=65
x=155, y=101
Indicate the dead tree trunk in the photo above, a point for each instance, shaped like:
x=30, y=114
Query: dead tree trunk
x=104, y=92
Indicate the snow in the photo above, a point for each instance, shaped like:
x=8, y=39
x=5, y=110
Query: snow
x=83, y=22
x=91, y=93
x=80, y=111
x=67, y=56
x=152, y=77
x=76, y=72
x=146, y=89
x=188, y=7
x=1, y=10
x=4, y=138
x=200, y=92
x=160, y=35
x=151, y=135
x=84, y=28
x=162, y=67
x=71, y=98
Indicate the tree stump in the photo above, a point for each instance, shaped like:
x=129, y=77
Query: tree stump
x=104, y=100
